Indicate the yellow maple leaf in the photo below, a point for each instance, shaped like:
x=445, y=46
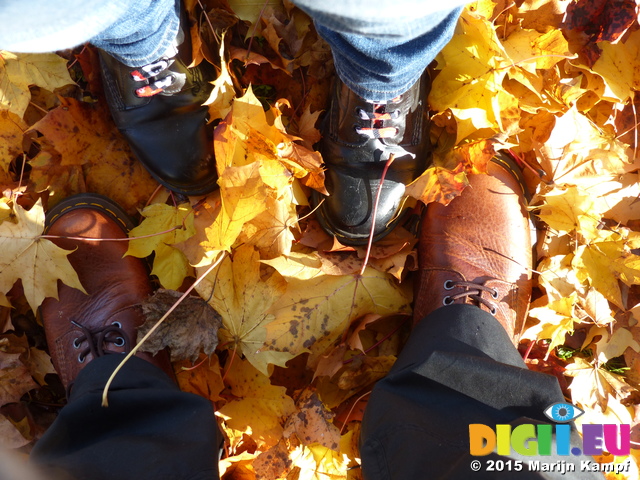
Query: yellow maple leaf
x=37, y=261
x=473, y=66
x=12, y=130
x=316, y=307
x=617, y=65
x=243, y=197
x=242, y=298
x=578, y=152
x=223, y=93
x=170, y=265
x=317, y=462
x=592, y=385
x=603, y=263
x=260, y=407
x=18, y=71
x=556, y=320
x=270, y=231
x=570, y=209
x=612, y=346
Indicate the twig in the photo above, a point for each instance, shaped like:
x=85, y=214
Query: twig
x=375, y=212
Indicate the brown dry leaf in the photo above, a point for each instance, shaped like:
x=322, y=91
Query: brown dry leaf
x=62, y=181
x=438, y=184
x=321, y=306
x=38, y=262
x=313, y=422
x=12, y=130
x=81, y=133
x=273, y=463
x=10, y=436
x=39, y=364
x=15, y=378
x=18, y=71
x=330, y=363
x=261, y=408
x=190, y=329
x=242, y=296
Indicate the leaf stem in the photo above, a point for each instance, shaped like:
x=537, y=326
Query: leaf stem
x=105, y=401
x=177, y=227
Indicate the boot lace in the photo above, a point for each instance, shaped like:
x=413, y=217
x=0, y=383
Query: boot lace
x=154, y=80
x=377, y=117
x=473, y=291
x=98, y=341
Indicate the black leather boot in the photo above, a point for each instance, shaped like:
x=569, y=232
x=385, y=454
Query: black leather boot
x=359, y=137
x=158, y=108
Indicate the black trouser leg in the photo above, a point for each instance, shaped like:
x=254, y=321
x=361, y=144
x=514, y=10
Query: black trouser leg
x=458, y=368
x=151, y=429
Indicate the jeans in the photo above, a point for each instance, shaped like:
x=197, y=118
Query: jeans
x=380, y=48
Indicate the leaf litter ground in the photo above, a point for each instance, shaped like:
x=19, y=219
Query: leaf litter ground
x=304, y=330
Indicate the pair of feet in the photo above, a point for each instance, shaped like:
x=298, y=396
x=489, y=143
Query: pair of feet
x=158, y=108
x=476, y=250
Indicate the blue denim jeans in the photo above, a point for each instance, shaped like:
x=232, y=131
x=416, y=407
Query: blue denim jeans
x=380, y=48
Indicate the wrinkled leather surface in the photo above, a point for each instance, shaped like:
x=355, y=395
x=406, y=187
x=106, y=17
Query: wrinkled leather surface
x=355, y=163
x=167, y=133
x=482, y=236
x=116, y=286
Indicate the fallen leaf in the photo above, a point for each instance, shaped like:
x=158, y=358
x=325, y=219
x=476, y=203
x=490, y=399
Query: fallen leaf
x=167, y=226
x=190, y=329
x=12, y=130
x=261, y=407
x=81, y=132
x=10, y=436
x=18, y=71
x=39, y=364
x=204, y=379
x=320, y=306
x=37, y=261
x=15, y=379
x=438, y=184
x=556, y=320
x=242, y=297
x=223, y=93
x=312, y=423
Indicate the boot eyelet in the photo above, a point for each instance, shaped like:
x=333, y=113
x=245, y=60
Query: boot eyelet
x=493, y=311
x=117, y=324
x=448, y=285
x=494, y=294
x=81, y=358
x=76, y=343
x=119, y=342
x=446, y=301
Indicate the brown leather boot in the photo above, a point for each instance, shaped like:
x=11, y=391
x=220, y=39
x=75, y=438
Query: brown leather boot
x=477, y=250
x=82, y=327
